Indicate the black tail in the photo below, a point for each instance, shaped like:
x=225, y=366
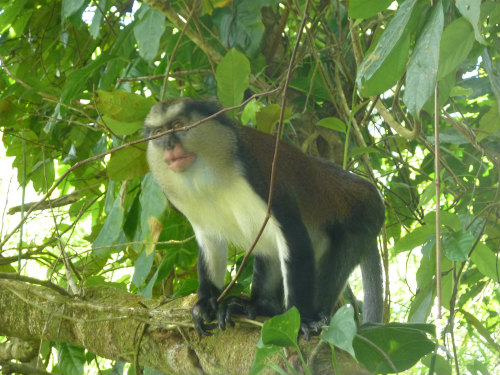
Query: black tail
x=371, y=270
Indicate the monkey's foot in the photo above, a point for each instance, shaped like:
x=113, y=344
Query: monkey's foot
x=204, y=312
x=234, y=306
x=309, y=327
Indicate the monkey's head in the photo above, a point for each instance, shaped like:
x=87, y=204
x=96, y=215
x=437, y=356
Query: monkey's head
x=211, y=144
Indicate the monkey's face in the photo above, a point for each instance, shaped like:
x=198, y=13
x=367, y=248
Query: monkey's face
x=181, y=149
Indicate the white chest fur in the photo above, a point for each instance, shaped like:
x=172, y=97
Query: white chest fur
x=222, y=207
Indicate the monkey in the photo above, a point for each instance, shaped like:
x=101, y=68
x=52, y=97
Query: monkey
x=324, y=220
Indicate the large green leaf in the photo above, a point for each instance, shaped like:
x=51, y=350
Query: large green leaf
x=282, y=330
x=373, y=61
x=486, y=261
x=71, y=358
x=456, y=43
x=128, y=163
x=415, y=238
x=390, y=71
x=232, y=78
x=457, y=245
x=240, y=25
x=404, y=344
x=342, y=329
x=422, y=69
x=123, y=106
x=471, y=9
x=148, y=33
x=268, y=117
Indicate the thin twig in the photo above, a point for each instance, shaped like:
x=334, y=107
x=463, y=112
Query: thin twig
x=437, y=179
x=276, y=149
x=138, y=141
x=174, y=52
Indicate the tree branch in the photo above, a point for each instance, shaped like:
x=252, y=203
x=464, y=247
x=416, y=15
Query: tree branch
x=169, y=344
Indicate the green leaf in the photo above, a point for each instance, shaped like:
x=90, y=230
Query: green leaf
x=240, y=25
x=471, y=10
x=422, y=303
x=415, y=238
x=447, y=218
x=9, y=14
x=70, y=7
x=489, y=124
x=142, y=266
x=404, y=344
x=111, y=229
x=390, y=71
x=71, y=358
x=441, y=365
x=269, y=116
x=97, y=19
x=153, y=201
x=362, y=150
x=232, y=76
x=486, y=261
x=121, y=127
x=123, y=106
x=456, y=43
x=457, y=245
x=366, y=8
x=342, y=329
x=422, y=70
x=78, y=79
x=249, y=115
x=460, y=91
x=282, y=330
x=128, y=163
x=189, y=286
x=148, y=33
x=373, y=61
x=333, y=123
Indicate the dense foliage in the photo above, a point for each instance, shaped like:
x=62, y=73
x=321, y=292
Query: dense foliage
x=78, y=76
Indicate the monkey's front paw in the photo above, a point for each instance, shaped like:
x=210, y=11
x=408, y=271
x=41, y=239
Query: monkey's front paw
x=309, y=327
x=204, y=312
x=234, y=306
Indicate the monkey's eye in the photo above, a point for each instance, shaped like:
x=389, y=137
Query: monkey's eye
x=157, y=131
x=177, y=124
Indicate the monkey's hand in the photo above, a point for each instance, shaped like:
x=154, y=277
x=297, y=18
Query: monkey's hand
x=205, y=310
